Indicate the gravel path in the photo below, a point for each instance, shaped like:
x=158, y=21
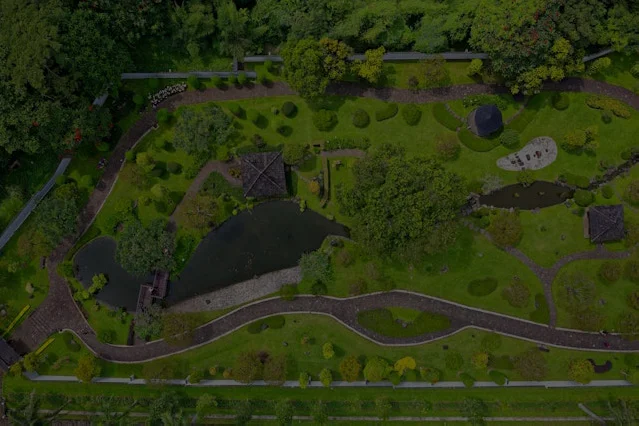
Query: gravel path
x=59, y=311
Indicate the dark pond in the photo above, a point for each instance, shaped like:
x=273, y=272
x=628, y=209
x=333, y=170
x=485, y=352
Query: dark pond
x=538, y=195
x=271, y=237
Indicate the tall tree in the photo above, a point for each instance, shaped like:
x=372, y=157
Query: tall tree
x=26, y=412
x=142, y=249
x=235, y=33
x=304, y=67
x=404, y=207
x=191, y=24
x=197, y=131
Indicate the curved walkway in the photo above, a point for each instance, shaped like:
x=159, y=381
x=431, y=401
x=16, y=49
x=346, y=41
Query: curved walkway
x=345, y=311
x=59, y=311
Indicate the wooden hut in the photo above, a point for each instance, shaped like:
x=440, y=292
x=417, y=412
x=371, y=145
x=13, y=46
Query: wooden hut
x=263, y=175
x=485, y=120
x=605, y=223
x=8, y=356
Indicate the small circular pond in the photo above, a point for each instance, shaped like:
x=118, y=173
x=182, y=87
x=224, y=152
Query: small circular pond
x=538, y=195
x=272, y=236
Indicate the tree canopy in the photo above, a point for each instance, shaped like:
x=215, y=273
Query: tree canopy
x=143, y=249
x=197, y=131
x=403, y=206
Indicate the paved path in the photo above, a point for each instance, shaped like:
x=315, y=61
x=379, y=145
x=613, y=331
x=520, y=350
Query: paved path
x=341, y=384
x=32, y=204
x=59, y=311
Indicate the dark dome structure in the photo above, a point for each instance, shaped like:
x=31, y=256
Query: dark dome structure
x=485, y=120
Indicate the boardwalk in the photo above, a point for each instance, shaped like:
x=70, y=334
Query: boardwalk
x=32, y=204
x=59, y=311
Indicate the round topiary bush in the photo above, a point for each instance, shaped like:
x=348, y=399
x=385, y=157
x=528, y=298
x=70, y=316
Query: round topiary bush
x=610, y=271
x=497, y=377
x=236, y=109
x=482, y=287
x=163, y=115
x=193, y=81
x=607, y=192
x=560, y=101
x=173, y=167
x=217, y=81
x=86, y=180
x=242, y=78
x=509, y=138
x=253, y=116
x=289, y=109
x=232, y=79
x=606, y=116
x=324, y=120
x=129, y=156
x=583, y=198
x=361, y=118
x=411, y=114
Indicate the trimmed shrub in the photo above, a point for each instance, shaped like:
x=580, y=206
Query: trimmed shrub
x=327, y=350
x=503, y=362
x=319, y=289
x=274, y=322
x=262, y=79
x=618, y=108
x=411, y=114
x=607, y=192
x=445, y=118
x=326, y=377
x=474, y=142
x=324, y=120
x=289, y=109
x=288, y=291
x=253, y=116
x=610, y=271
x=346, y=143
x=232, y=79
x=280, y=126
x=194, y=82
x=236, y=109
x=509, y=138
x=242, y=79
x=381, y=321
x=163, y=115
x=361, y=118
x=497, y=377
x=560, y=101
x=482, y=287
x=576, y=180
x=387, y=112
x=173, y=167
x=599, y=65
x=138, y=100
x=129, y=156
x=86, y=181
x=606, y=116
x=475, y=67
x=268, y=64
x=467, y=379
x=517, y=294
x=217, y=81
x=583, y=198
x=429, y=374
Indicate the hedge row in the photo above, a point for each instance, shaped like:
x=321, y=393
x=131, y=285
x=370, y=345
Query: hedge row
x=274, y=322
x=381, y=321
x=618, y=108
x=482, y=287
x=346, y=143
x=389, y=111
x=445, y=118
x=474, y=142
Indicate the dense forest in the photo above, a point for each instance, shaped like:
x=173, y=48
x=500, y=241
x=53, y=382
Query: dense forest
x=56, y=56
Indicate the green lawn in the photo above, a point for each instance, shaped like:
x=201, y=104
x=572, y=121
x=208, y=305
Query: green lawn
x=611, y=299
x=321, y=329
x=619, y=71
x=446, y=275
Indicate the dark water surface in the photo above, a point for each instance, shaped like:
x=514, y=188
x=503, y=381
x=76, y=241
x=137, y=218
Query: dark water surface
x=272, y=236
x=538, y=195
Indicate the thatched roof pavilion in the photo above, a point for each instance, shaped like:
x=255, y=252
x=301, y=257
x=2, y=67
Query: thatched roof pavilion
x=263, y=175
x=605, y=223
x=485, y=120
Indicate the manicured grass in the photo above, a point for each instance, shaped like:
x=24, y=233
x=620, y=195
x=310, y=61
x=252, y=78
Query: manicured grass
x=382, y=321
x=398, y=74
x=611, y=298
x=532, y=402
x=619, y=71
x=446, y=275
x=308, y=357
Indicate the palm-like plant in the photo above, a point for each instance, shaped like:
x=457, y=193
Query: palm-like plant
x=174, y=419
x=108, y=413
x=27, y=412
